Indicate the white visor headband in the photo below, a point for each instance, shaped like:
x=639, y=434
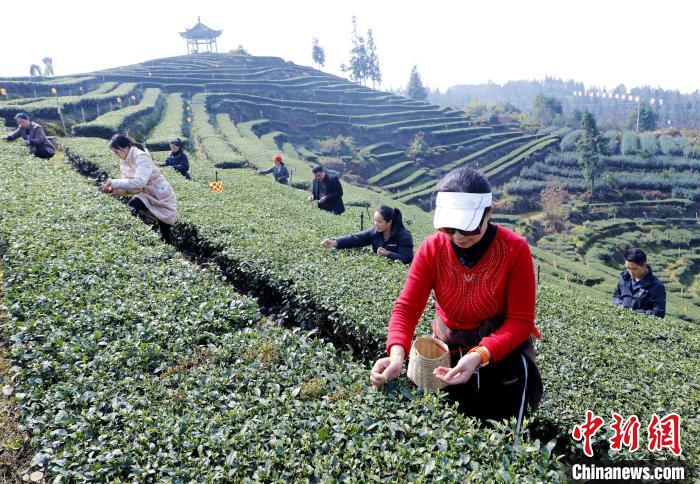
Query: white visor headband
x=460, y=210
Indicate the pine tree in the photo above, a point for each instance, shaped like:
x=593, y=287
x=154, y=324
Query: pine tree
x=318, y=54
x=358, y=65
x=416, y=90
x=374, y=72
x=589, y=147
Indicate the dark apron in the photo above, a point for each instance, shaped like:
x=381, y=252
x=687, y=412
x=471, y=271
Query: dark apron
x=495, y=391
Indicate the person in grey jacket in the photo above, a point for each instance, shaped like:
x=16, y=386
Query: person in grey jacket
x=388, y=237
x=34, y=136
x=638, y=288
x=278, y=170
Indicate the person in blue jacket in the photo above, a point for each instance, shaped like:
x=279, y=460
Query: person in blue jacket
x=327, y=191
x=638, y=288
x=388, y=237
x=178, y=159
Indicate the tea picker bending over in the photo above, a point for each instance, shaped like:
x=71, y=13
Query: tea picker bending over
x=151, y=193
x=327, y=191
x=484, y=284
x=34, y=136
x=388, y=237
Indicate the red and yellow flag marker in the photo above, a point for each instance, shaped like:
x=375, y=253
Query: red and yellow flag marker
x=216, y=186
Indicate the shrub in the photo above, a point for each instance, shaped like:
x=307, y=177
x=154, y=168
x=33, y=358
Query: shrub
x=568, y=142
x=611, y=142
x=648, y=144
x=629, y=145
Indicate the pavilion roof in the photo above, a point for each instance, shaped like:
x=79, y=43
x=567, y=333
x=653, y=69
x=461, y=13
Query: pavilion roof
x=200, y=31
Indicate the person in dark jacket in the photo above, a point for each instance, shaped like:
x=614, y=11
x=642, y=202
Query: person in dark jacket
x=638, y=288
x=278, y=170
x=388, y=237
x=178, y=159
x=34, y=136
x=327, y=191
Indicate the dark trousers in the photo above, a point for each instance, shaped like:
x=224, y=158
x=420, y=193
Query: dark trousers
x=43, y=153
x=496, y=391
x=501, y=389
x=165, y=229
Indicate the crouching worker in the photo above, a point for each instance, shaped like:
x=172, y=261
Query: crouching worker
x=178, y=159
x=278, y=170
x=484, y=284
x=34, y=137
x=151, y=193
x=388, y=237
x=638, y=288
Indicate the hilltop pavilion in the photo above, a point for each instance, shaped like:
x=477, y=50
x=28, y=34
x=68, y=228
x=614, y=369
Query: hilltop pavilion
x=201, y=39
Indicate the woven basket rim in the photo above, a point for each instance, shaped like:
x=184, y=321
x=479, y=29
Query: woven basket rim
x=432, y=339
x=420, y=368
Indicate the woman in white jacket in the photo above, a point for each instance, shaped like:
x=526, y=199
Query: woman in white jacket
x=151, y=193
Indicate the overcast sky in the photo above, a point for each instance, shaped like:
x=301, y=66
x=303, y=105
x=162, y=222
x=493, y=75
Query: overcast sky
x=604, y=43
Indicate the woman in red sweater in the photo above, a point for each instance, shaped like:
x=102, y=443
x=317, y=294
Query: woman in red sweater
x=484, y=284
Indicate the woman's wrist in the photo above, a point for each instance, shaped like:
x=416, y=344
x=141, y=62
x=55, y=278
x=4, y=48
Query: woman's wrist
x=397, y=352
x=482, y=354
x=473, y=360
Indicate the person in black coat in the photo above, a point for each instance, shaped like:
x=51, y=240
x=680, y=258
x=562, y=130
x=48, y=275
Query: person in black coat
x=327, y=191
x=638, y=288
x=34, y=137
x=388, y=237
x=178, y=159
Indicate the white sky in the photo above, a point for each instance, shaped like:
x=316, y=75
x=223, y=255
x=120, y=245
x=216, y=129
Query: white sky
x=453, y=42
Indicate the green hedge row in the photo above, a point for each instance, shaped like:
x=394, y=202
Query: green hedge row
x=418, y=176
x=388, y=174
x=139, y=117
x=28, y=86
x=47, y=108
x=213, y=146
x=484, y=152
x=170, y=125
x=517, y=156
x=479, y=141
x=324, y=107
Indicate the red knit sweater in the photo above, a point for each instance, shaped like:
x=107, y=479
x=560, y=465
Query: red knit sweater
x=502, y=282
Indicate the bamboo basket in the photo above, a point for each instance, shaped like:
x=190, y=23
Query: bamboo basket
x=427, y=353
